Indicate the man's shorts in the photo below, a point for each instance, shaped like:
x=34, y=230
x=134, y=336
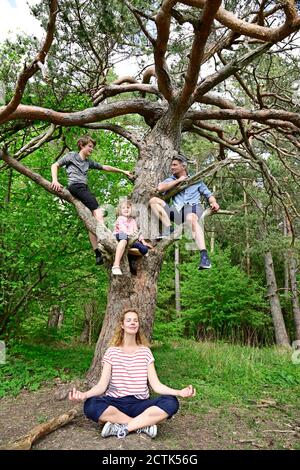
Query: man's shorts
x=179, y=217
x=82, y=192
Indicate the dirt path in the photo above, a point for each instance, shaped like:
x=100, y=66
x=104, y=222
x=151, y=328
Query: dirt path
x=251, y=427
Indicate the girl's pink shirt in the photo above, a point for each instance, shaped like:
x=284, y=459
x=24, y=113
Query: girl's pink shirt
x=126, y=225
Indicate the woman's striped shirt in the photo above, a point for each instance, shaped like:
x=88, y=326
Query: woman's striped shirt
x=129, y=372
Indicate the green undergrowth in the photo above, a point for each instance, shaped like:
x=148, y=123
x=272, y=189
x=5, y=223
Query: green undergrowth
x=28, y=366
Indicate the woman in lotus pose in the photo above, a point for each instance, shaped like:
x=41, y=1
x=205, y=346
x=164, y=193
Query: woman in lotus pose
x=121, y=397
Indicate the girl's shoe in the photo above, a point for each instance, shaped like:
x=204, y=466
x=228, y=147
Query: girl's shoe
x=116, y=271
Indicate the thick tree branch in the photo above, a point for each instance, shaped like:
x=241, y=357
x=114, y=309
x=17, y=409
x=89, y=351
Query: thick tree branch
x=202, y=31
x=283, y=118
x=291, y=24
x=163, y=23
x=30, y=70
x=149, y=110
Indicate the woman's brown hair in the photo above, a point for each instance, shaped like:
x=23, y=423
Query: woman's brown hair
x=118, y=337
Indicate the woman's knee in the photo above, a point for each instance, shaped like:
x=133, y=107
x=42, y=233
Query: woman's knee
x=169, y=404
x=89, y=407
x=173, y=404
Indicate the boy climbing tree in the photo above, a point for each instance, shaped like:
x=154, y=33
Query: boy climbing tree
x=77, y=166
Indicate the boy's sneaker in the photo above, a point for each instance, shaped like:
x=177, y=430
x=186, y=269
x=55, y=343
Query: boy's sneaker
x=166, y=233
x=205, y=262
x=151, y=431
x=114, y=429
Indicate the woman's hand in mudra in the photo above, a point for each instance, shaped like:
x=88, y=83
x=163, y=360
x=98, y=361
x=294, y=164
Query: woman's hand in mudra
x=189, y=391
x=76, y=395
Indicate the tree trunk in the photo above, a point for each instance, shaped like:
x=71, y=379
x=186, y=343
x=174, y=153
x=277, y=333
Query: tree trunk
x=55, y=318
x=90, y=309
x=139, y=292
x=128, y=291
x=294, y=289
x=177, y=280
x=281, y=335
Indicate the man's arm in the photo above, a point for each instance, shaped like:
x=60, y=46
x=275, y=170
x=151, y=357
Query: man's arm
x=164, y=187
x=55, y=184
x=113, y=169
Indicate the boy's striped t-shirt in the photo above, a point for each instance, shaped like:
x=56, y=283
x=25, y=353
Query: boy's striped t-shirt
x=129, y=372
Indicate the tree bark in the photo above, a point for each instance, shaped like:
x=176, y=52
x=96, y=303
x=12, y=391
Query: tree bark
x=56, y=317
x=281, y=335
x=139, y=292
x=90, y=309
x=294, y=289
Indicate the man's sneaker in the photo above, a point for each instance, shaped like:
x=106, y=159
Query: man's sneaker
x=166, y=233
x=205, y=262
x=99, y=258
x=114, y=429
x=151, y=431
x=116, y=271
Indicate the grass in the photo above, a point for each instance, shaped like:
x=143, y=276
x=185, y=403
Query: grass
x=222, y=373
x=28, y=366
x=228, y=374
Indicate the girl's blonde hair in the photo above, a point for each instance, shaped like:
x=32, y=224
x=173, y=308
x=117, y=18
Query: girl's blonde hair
x=118, y=337
x=128, y=203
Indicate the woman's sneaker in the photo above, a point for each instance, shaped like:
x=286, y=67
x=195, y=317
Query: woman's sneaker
x=114, y=429
x=151, y=431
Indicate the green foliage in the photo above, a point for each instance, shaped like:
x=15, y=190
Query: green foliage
x=228, y=374
x=224, y=302
x=29, y=366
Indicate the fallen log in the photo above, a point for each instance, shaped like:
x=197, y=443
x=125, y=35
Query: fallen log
x=25, y=442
